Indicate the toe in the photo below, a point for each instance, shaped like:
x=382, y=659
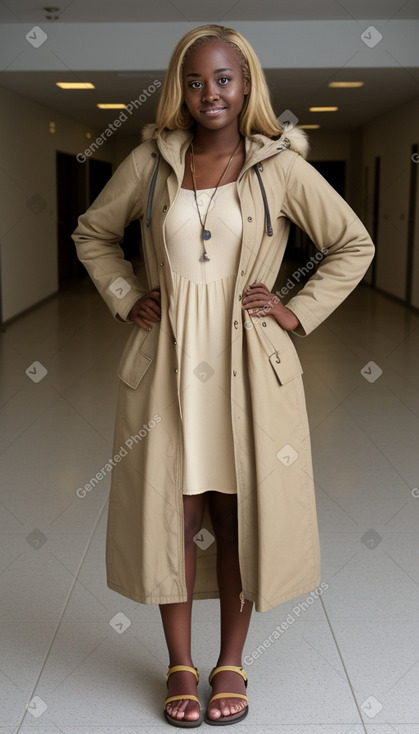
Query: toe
x=186, y=710
x=214, y=712
x=174, y=711
x=190, y=710
x=226, y=707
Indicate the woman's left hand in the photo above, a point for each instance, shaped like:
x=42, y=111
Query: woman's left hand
x=259, y=301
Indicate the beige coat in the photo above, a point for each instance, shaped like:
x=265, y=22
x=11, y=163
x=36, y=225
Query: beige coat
x=278, y=533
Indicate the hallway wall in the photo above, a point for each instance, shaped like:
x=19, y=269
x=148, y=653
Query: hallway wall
x=391, y=136
x=28, y=229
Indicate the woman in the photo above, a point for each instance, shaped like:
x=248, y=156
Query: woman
x=211, y=430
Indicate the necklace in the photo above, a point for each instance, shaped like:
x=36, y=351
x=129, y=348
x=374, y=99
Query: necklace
x=206, y=233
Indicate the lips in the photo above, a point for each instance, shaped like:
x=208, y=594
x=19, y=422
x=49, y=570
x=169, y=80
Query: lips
x=213, y=111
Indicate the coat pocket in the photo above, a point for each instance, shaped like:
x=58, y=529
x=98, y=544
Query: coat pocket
x=279, y=349
x=286, y=364
x=137, y=355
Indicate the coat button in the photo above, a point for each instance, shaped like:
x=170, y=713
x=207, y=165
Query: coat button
x=176, y=370
x=236, y=324
x=174, y=341
x=263, y=323
x=242, y=273
x=240, y=298
x=165, y=208
x=161, y=265
x=234, y=373
x=154, y=155
x=250, y=219
x=278, y=359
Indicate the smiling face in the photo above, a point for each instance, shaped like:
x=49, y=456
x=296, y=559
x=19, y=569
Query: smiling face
x=213, y=85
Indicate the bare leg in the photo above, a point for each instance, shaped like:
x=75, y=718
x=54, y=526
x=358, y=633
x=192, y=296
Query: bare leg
x=234, y=624
x=176, y=619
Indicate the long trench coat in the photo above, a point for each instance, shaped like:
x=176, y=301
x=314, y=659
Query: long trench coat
x=277, y=523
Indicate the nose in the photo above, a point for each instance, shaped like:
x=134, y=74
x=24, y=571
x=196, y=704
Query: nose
x=210, y=92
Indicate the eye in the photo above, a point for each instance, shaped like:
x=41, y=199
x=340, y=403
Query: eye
x=224, y=80
x=192, y=85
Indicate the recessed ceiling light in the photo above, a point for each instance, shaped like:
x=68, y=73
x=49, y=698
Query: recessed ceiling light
x=52, y=13
x=309, y=127
x=111, y=106
x=323, y=109
x=75, y=85
x=346, y=85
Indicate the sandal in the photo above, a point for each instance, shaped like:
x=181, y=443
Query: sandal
x=182, y=723
x=233, y=718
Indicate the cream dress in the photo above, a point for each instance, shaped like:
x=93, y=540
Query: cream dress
x=204, y=295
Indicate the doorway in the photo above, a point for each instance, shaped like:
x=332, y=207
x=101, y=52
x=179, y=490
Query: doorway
x=334, y=172
x=78, y=184
x=413, y=192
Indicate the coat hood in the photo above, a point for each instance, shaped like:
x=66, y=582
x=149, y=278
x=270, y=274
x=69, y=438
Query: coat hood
x=297, y=138
x=173, y=145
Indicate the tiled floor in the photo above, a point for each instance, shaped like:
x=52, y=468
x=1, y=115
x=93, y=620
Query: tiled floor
x=349, y=662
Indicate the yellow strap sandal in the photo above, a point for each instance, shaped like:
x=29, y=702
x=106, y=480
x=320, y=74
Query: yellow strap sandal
x=181, y=723
x=233, y=718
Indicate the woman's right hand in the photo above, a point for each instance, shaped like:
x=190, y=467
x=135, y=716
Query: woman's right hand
x=146, y=311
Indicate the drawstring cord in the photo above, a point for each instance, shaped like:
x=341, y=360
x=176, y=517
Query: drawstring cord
x=269, y=231
x=151, y=190
x=257, y=167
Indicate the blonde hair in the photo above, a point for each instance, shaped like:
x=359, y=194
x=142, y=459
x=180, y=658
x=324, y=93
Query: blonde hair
x=256, y=116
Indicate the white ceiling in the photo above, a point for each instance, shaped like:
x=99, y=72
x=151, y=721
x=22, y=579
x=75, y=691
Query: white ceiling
x=291, y=88
x=157, y=11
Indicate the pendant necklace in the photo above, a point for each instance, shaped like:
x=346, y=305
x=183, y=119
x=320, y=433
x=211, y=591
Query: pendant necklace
x=206, y=233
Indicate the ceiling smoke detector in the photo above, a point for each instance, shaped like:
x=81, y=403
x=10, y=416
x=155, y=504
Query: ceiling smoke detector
x=52, y=13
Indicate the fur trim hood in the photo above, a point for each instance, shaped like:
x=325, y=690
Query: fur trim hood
x=297, y=138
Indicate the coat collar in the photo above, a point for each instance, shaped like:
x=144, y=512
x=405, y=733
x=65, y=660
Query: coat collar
x=173, y=145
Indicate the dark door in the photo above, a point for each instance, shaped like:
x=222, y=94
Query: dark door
x=78, y=184
x=333, y=172
x=99, y=174
x=413, y=186
x=376, y=217
x=71, y=201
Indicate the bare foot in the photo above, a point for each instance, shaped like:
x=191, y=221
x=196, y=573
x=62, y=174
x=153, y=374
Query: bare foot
x=182, y=682
x=224, y=707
